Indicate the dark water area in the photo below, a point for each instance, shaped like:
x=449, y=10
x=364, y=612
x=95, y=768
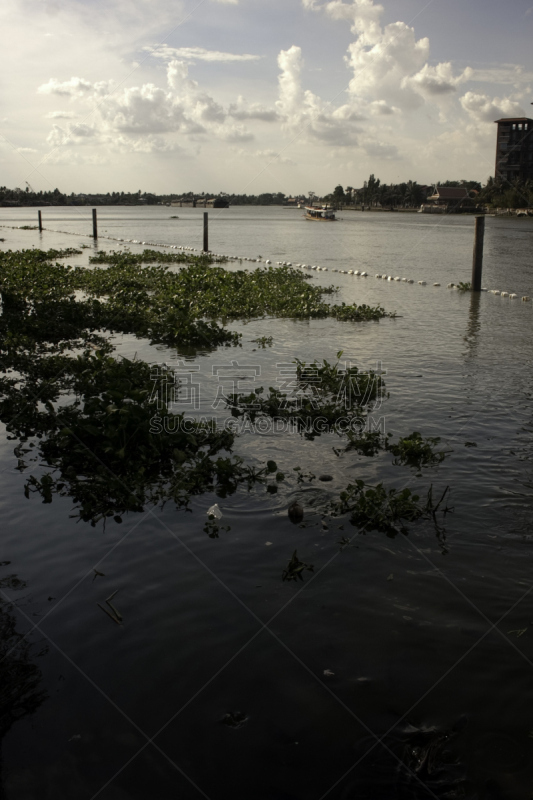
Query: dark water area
x=401, y=667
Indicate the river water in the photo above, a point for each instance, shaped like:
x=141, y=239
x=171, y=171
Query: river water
x=402, y=667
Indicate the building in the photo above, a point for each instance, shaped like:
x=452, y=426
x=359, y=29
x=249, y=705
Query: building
x=514, y=149
x=449, y=195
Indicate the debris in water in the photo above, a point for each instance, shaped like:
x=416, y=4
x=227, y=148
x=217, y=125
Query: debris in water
x=234, y=719
x=296, y=513
x=214, y=512
x=328, y=673
x=391, y=577
x=325, y=478
x=109, y=614
x=519, y=632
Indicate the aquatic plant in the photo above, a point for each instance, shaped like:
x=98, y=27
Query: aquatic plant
x=415, y=451
x=294, y=568
x=319, y=392
x=386, y=510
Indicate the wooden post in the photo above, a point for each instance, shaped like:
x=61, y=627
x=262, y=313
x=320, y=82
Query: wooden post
x=206, y=232
x=40, y=222
x=95, y=225
x=477, y=266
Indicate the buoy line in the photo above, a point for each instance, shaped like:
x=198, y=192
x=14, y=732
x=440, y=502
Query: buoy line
x=259, y=259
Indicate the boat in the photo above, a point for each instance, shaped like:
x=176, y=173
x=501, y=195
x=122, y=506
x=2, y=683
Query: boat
x=323, y=214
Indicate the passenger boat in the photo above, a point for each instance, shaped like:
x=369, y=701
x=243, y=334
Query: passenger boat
x=323, y=214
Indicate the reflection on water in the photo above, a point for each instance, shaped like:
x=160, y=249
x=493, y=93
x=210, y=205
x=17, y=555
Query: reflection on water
x=21, y=692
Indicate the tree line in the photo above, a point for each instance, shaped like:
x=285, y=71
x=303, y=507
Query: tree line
x=497, y=193
x=28, y=197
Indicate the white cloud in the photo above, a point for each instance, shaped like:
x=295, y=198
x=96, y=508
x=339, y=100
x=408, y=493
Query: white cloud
x=139, y=117
x=75, y=87
x=72, y=135
x=438, y=80
x=197, y=54
x=61, y=115
x=243, y=110
x=511, y=74
x=482, y=108
x=304, y=114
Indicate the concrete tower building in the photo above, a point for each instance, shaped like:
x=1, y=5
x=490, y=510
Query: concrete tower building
x=514, y=149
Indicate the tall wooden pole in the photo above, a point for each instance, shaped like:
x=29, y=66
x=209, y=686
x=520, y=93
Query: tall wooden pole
x=40, y=222
x=206, y=232
x=477, y=265
x=95, y=225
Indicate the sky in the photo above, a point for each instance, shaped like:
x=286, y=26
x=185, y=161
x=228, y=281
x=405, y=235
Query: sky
x=251, y=96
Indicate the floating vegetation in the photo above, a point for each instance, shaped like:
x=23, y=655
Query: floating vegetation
x=366, y=443
x=375, y=508
x=263, y=341
x=321, y=397
x=294, y=568
x=413, y=450
x=85, y=420
x=464, y=286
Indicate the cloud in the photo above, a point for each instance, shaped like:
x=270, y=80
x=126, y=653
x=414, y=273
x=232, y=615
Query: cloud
x=512, y=74
x=438, y=80
x=72, y=135
x=75, y=87
x=197, y=54
x=381, y=151
x=61, y=115
x=243, y=110
x=381, y=108
x=482, y=108
x=273, y=156
x=147, y=144
x=140, y=117
x=304, y=113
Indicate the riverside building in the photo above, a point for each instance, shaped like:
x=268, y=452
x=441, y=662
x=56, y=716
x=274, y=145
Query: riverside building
x=514, y=149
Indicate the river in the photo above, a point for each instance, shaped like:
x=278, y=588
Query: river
x=401, y=667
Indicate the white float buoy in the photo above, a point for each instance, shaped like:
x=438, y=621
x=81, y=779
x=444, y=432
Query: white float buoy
x=436, y=284
x=505, y=294
x=513, y=296
x=364, y=274
x=422, y=283
x=397, y=279
x=526, y=298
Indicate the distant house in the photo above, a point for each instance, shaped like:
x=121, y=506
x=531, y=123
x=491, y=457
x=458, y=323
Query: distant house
x=449, y=195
